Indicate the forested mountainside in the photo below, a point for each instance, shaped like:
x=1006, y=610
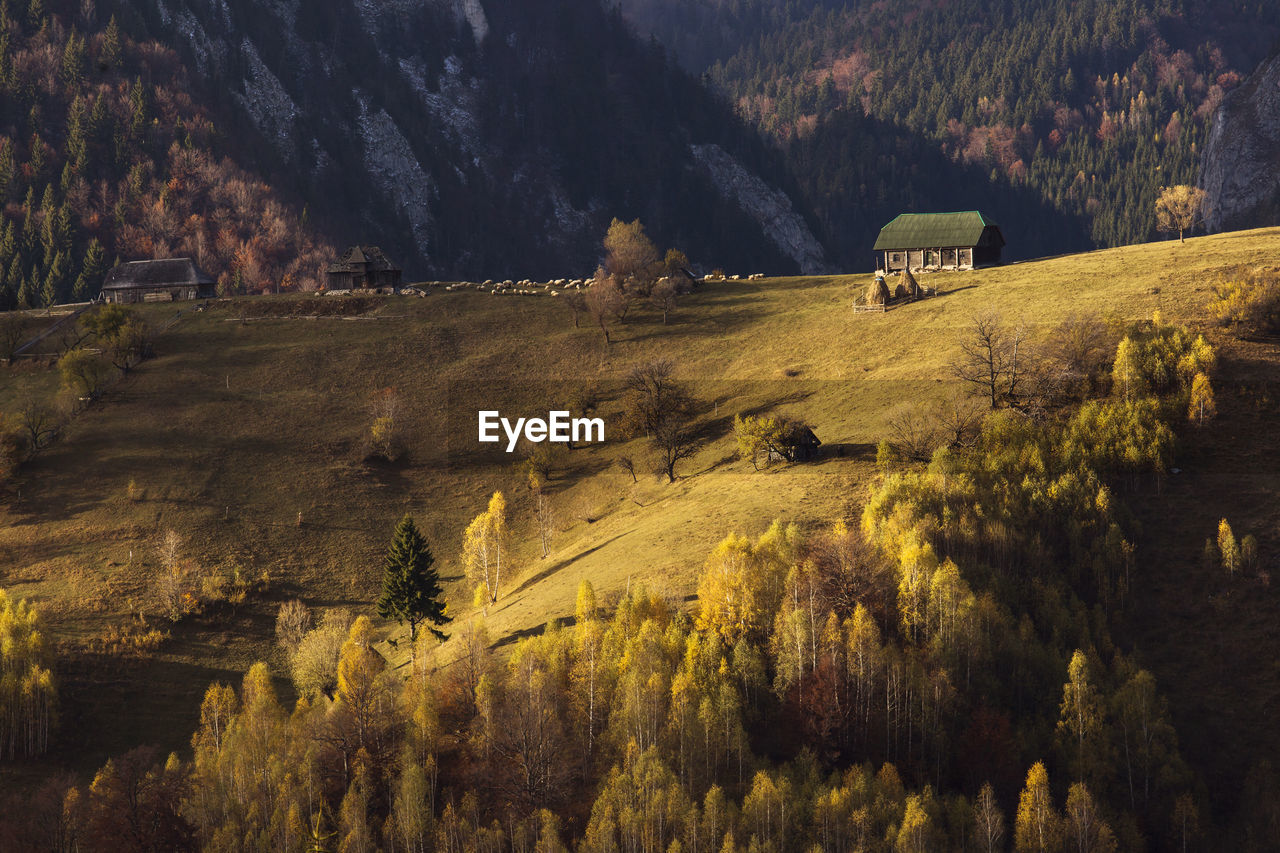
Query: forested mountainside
x=484, y=139
x=1038, y=112
x=104, y=155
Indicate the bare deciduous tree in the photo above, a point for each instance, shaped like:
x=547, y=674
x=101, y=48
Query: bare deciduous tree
x=674, y=442
x=293, y=620
x=1071, y=360
x=384, y=428
x=40, y=422
x=174, y=585
x=545, y=518
x=605, y=300
x=660, y=408
x=990, y=358
x=12, y=333
x=577, y=302
x=663, y=297
x=913, y=432
x=959, y=420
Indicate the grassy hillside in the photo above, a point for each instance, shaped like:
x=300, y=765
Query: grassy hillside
x=247, y=422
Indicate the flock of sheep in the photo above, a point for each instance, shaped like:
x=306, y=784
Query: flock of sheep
x=525, y=287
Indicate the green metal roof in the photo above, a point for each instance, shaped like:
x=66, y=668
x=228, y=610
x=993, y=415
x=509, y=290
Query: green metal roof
x=934, y=231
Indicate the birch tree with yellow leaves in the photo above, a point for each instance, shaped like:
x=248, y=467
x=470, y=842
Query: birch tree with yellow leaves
x=28, y=695
x=484, y=547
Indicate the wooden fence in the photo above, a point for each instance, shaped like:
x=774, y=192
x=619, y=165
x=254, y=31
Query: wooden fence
x=925, y=293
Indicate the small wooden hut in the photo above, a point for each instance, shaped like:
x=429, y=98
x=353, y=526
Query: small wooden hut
x=363, y=268
x=799, y=443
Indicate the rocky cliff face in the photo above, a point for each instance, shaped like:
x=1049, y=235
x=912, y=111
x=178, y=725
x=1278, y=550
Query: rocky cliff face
x=769, y=207
x=484, y=137
x=1240, y=166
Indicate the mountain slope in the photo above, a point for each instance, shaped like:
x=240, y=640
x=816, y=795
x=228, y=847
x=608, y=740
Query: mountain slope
x=1039, y=112
x=104, y=154
x=238, y=430
x=479, y=139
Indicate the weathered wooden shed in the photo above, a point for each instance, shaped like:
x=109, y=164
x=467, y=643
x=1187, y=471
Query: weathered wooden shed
x=162, y=280
x=923, y=241
x=363, y=268
x=799, y=443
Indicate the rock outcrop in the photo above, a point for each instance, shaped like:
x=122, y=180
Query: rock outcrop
x=769, y=207
x=1240, y=165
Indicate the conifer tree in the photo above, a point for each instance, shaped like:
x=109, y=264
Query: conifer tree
x=138, y=108
x=74, y=61
x=49, y=290
x=54, y=279
x=109, y=55
x=77, y=136
x=411, y=590
x=18, y=282
x=6, y=167
x=91, y=271
x=6, y=59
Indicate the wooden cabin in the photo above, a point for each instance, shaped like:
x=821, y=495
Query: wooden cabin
x=799, y=443
x=363, y=268
x=938, y=241
x=163, y=280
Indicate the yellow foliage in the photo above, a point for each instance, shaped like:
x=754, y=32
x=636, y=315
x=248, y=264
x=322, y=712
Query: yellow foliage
x=741, y=583
x=1202, y=407
x=1228, y=547
x=1179, y=208
x=484, y=546
x=28, y=695
x=1039, y=826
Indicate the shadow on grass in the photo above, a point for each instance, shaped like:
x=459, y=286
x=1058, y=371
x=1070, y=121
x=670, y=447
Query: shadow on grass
x=561, y=564
x=848, y=450
x=720, y=425
x=533, y=631
x=110, y=703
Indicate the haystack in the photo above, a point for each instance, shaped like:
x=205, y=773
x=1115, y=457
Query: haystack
x=878, y=293
x=910, y=287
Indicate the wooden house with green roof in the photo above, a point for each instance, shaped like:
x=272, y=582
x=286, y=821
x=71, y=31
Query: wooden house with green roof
x=942, y=241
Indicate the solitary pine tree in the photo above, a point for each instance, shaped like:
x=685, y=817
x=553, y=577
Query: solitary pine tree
x=411, y=590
